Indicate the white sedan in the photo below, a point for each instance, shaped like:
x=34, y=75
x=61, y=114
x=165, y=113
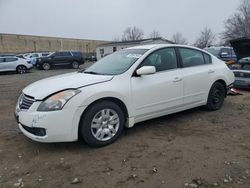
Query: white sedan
x=124, y=88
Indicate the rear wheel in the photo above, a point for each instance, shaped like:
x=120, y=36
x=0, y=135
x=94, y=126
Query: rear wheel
x=75, y=65
x=216, y=96
x=102, y=124
x=46, y=66
x=21, y=69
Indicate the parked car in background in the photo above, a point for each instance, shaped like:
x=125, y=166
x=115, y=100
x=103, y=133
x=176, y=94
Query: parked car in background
x=224, y=53
x=7, y=55
x=91, y=58
x=242, y=72
x=32, y=57
x=63, y=58
x=14, y=64
x=129, y=86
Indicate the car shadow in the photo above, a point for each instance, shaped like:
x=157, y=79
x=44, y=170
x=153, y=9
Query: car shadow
x=164, y=122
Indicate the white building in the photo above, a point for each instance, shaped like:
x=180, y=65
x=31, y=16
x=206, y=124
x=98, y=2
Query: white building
x=108, y=48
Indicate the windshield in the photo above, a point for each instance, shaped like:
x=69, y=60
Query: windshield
x=116, y=63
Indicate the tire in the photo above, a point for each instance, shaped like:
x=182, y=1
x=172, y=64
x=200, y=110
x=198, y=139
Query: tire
x=46, y=66
x=21, y=69
x=75, y=65
x=216, y=96
x=97, y=128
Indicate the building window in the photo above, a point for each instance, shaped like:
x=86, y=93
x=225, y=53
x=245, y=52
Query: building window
x=101, y=51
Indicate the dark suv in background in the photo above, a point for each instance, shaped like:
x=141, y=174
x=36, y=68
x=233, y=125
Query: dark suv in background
x=223, y=53
x=63, y=58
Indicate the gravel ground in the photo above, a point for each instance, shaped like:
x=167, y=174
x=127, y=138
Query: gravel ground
x=195, y=148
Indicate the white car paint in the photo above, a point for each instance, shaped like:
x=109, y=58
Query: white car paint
x=13, y=64
x=145, y=97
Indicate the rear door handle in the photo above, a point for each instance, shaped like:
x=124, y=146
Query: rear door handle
x=211, y=71
x=177, y=79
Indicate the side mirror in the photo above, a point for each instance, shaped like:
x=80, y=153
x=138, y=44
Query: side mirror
x=145, y=70
x=224, y=54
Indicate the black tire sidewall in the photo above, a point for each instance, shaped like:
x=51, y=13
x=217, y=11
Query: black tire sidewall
x=210, y=104
x=73, y=65
x=17, y=69
x=85, y=123
x=44, y=64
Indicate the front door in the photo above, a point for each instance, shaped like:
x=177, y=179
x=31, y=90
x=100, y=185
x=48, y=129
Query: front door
x=154, y=95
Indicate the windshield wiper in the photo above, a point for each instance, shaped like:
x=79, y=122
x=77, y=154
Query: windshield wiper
x=91, y=72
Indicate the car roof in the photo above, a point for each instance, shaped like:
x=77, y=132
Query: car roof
x=8, y=57
x=156, y=46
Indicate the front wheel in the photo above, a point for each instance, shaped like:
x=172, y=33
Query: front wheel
x=216, y=96
x=75, y=65
x=102, y=124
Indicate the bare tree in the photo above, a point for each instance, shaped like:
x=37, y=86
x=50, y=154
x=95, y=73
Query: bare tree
x=116, y=39
x=155, y=34
x=206, y=38
x=239, y=24
x=131, y=34
x=179, y=39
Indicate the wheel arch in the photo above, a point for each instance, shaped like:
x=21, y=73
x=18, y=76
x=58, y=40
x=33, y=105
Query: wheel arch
x=115, y=100
x=224, y=84
x=21, y=65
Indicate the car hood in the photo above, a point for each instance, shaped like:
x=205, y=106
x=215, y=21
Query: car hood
x=241, y=47
x=43, y=88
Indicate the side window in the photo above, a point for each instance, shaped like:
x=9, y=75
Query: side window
x=1, y=60
x=66, y=54
x=57, y=54
x=10, y=59
x=207, y=58
x=225, y=51
x=163, y=59
x=191, y=57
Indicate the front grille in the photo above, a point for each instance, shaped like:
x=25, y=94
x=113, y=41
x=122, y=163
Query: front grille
x=25, y=102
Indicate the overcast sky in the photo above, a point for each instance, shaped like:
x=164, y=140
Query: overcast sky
x=107, y=19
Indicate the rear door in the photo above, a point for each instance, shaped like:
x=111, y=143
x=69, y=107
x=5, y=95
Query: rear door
x=62, y=58
x=198, y=73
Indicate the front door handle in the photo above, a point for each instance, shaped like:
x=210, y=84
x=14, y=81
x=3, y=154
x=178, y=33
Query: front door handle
x=211, y=71
x=177, y=79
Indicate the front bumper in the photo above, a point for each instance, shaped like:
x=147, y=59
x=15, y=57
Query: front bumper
x=56, y=126
x=243, y=83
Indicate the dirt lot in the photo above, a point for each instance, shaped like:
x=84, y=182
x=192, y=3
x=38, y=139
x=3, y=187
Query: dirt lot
x=196, y=146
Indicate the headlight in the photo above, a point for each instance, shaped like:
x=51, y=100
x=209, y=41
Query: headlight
x=57, y=101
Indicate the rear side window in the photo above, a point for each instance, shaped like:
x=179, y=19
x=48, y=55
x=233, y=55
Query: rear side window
x=191, y=57
x=66, y=54
x=225, y=51
x=76, y=53
x=10, y=59
x=207, y=58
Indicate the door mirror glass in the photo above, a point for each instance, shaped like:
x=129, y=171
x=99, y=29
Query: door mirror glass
x=145, y=70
